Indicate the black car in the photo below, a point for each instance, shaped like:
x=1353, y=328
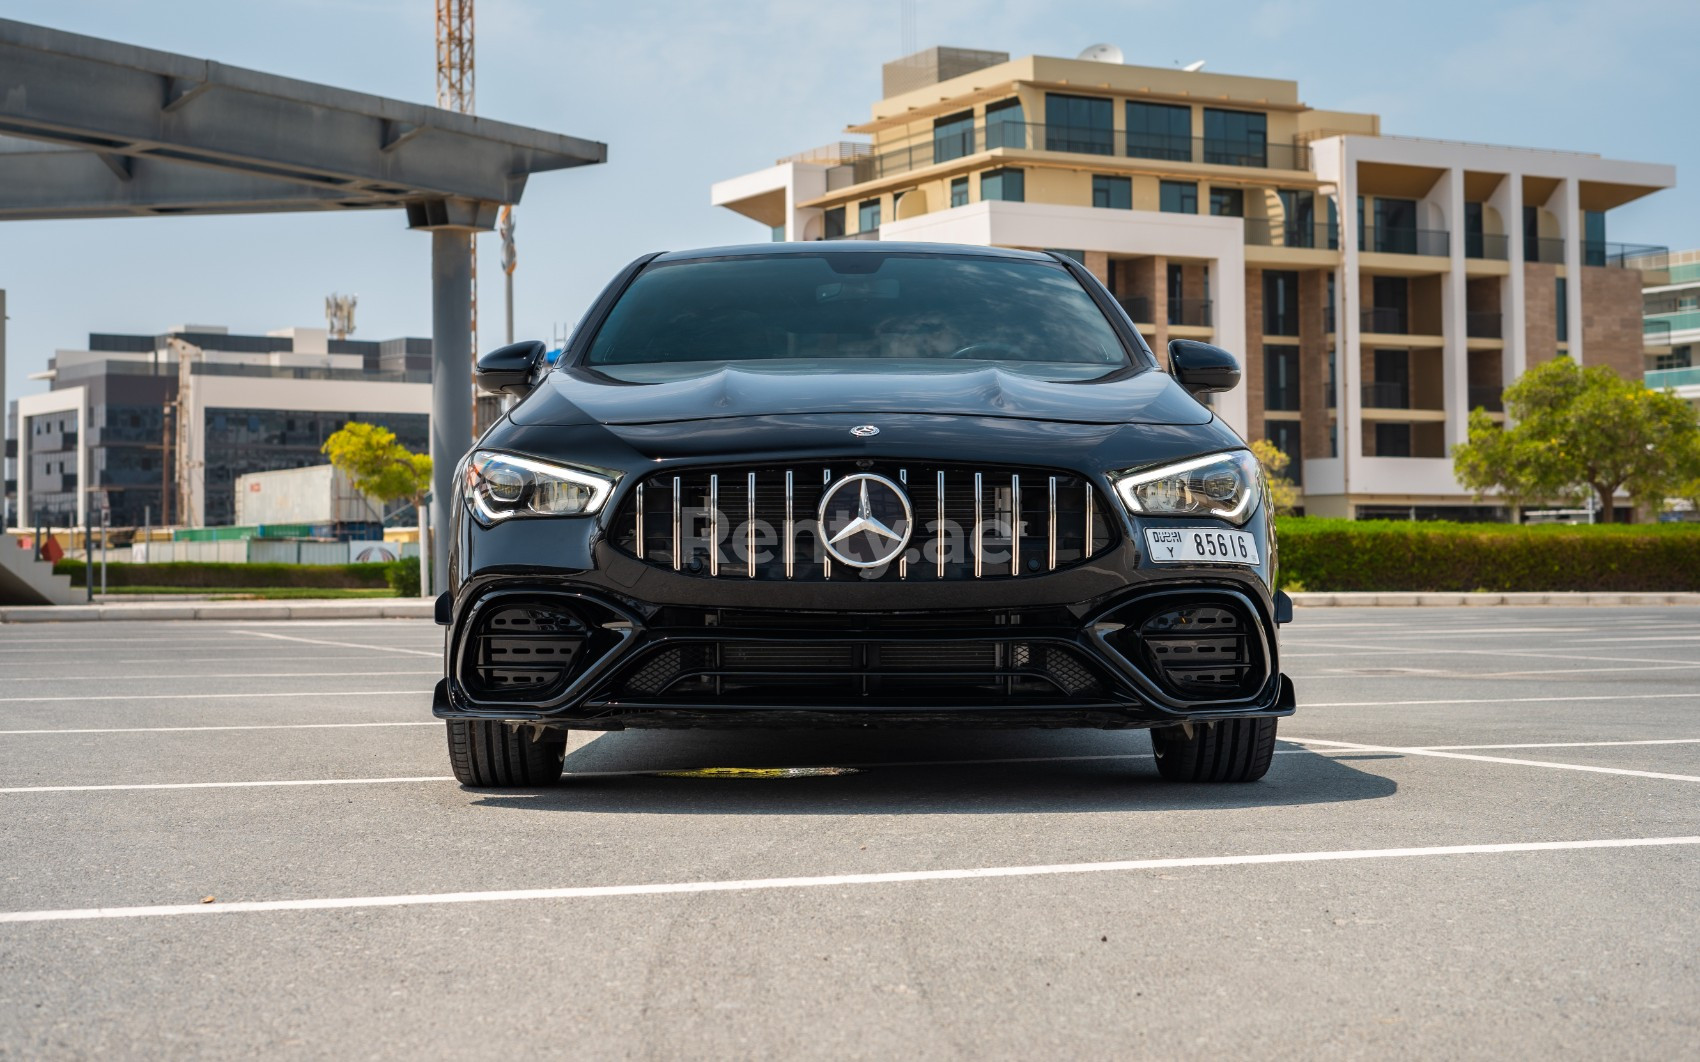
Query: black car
x=860, y=484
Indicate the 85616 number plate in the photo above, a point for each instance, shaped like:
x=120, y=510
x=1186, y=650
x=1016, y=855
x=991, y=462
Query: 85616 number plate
x=1196, y=545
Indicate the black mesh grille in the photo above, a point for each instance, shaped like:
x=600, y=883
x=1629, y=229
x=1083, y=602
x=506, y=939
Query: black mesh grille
x=851, y=673
x=1200, y=650
x=522, y=649
x=711, y=522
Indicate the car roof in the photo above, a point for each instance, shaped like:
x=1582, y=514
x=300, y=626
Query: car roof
x=816, y=247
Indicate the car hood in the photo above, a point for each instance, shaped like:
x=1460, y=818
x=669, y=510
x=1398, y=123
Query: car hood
x=578, y=396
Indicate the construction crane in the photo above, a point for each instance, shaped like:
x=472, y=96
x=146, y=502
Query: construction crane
x=456, y=85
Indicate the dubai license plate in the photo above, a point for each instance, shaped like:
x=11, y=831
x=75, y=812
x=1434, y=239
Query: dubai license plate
x=1193, y=545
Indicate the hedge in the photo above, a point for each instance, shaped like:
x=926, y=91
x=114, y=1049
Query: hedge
x=1315, y=554
x=1323, y=554
x=214, y=576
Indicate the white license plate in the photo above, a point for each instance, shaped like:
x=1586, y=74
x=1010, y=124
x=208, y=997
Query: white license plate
x=1192, y=545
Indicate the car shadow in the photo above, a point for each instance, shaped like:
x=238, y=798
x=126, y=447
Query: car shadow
x=896, y=772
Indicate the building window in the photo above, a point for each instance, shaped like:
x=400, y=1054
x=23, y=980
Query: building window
x=1298, y=219
x=868, y=215
x=1175, y=282
x=1006, y=126
x=1285, y=435
x=1236, y=138
x=1178, y=197
x=1390, y=312
x=1074, y=256
x=1395, y=225
x=1532, y=234
x=1080, y=124
x=1475, y=244
x=1281, y=377
x=1280, y=304
x=1392, y=386
x=1159, y=131
x=1594, y=237
x=1227, y=202
x=1113, y=192
x=1007, y=185
x=1328, y=310
x=1392, y=440
x=834, y=223
x=1561, y=304
x=958, y=191
x=953, y=136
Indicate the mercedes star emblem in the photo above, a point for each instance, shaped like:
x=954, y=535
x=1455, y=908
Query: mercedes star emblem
x=864, y=431
x=879, y=530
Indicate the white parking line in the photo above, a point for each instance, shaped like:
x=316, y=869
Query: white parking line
x=1411, y=751
x=342, y=645
x=1506, y=700
x=1345, y=673
x=765, y=884
x=1448, y=651
x=186, y=729
x=214, y=696
x=1566, y=744
x=222, y=675
x=220, y=785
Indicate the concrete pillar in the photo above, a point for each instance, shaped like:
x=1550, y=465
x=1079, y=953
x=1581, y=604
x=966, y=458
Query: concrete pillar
x=1565, y=205
x=451, y=382
x=1513, y=303
x=1449, y=192
x=1347, y=322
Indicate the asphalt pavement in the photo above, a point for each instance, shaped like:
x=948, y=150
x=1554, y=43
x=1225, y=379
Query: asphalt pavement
x=1480, y=838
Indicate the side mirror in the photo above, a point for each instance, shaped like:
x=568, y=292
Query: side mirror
x=1202, y=368
x=508, y=370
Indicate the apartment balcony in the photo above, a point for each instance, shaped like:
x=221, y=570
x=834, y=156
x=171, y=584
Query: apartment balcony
x=1494, y=245
x=1386, y=396
x=1659, y=379
x=1035, y=136
x=1484, y=324
x=1386, y=320
x=1491, y=399
x=1266, y=232
x=1193, y=313
x=1139, y=309
x=1405, y=241
x=1663, y=325
x=1545, y=249
x=1644, y=256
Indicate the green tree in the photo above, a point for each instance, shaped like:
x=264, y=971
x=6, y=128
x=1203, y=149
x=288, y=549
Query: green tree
x=1282, y=494
x=1578, y=431
x=380, y=466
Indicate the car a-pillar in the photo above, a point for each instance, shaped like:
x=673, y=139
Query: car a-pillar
x=451, y=221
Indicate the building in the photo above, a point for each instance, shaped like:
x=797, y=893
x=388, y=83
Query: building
x=106, y=432
x=1210, y=204
x=1672, y=326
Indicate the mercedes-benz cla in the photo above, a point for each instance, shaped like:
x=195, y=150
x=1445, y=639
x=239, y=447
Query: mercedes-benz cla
x=860, y=485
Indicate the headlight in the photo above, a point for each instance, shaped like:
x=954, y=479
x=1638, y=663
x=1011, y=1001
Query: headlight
x=1226, y=486
x=502, y=485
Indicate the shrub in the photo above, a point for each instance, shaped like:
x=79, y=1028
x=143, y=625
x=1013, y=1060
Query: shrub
x=403, y=577
x=213, y=576
x=1334, y=555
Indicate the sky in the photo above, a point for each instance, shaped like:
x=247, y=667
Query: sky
x=686, y=92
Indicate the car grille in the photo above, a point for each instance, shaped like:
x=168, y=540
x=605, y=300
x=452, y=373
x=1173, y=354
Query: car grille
x=1197, y=650
x=829, y=674
x=761, y=522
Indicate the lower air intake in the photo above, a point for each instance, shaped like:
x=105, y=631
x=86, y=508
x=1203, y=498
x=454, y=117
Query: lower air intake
x=523, y=649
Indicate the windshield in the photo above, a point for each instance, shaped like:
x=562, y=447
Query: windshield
x=909, y=311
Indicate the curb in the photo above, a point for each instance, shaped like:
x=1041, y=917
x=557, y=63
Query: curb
x=369, y=608
x=1369, y=599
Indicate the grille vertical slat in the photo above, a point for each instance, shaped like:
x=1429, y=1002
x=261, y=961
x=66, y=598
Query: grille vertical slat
x=760, y=522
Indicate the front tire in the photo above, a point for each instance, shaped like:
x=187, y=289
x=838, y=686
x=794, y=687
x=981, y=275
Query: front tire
x=1227, y=750
x=489, y=754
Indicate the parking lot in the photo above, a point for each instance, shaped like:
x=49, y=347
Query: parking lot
x=1481, y=836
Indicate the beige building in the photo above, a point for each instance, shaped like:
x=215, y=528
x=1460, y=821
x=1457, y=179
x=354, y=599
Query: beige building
x=1376, y=287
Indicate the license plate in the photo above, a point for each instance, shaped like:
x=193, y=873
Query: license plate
x=1193, y=545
